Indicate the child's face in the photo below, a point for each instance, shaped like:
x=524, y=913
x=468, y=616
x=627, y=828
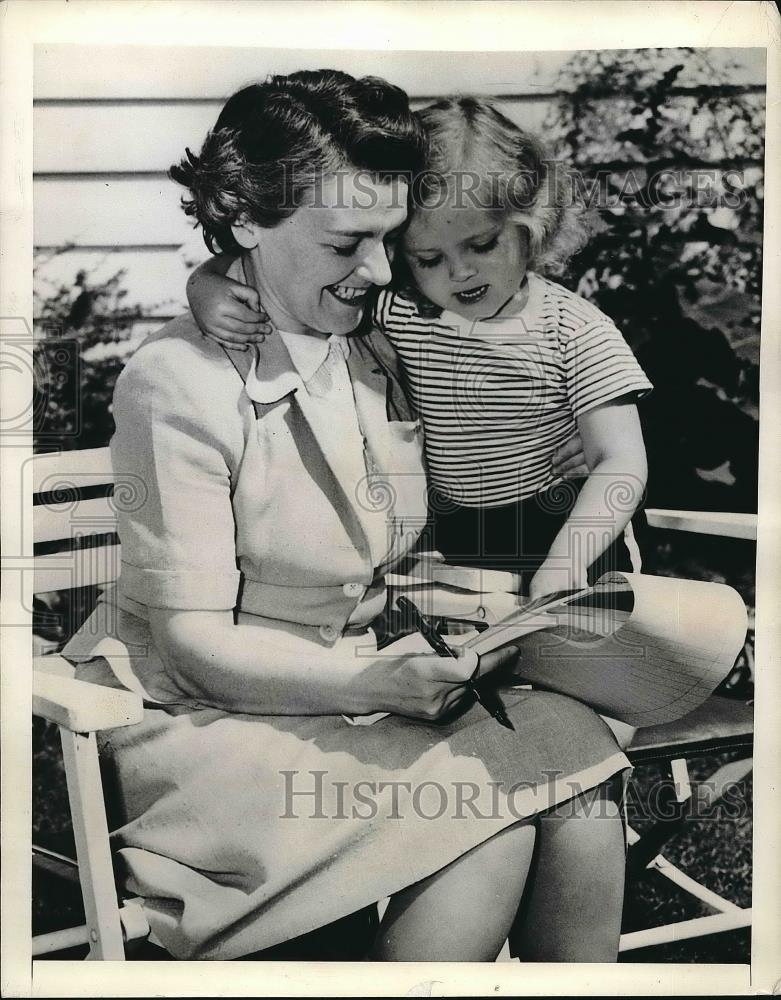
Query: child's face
x=470, y=260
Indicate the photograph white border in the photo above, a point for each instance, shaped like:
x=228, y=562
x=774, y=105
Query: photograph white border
x=456, y=26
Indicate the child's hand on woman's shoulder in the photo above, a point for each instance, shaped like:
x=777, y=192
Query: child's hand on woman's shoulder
x=226, y=310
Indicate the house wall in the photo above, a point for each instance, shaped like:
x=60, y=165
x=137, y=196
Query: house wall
x=108, y=122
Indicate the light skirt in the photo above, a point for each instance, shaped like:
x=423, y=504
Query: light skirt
x=242, y=831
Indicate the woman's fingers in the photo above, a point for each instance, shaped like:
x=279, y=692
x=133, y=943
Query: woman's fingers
x=469, y=662
x=464, y=666
x=446, y=669
x=431, y=685
x=497, y=659
x=473, y=666
x=453, y=699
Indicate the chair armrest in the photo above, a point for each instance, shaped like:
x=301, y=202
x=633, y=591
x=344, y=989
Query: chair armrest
x=704, y=522
x=80, y=706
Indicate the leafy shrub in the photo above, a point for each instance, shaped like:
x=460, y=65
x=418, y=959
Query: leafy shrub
x=84, y=335
x=671, y=159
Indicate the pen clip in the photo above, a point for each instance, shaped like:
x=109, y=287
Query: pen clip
x=424, y=626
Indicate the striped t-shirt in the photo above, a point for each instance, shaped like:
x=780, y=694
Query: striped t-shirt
x=498, y=397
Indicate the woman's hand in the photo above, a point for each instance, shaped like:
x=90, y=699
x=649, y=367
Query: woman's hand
x=214, y=662
x=427, y=686
x=226, y=310
x=569, y=461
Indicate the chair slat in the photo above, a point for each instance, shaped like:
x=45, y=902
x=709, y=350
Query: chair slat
x=90, y=467
x=83, y=568
x=52, y=522
x=58, y=865
x=72, y=937
x=704, y=522
x=718, y=723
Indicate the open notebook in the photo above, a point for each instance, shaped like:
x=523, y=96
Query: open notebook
x=642, y=649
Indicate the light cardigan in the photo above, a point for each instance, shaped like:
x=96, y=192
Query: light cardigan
x=248, y=496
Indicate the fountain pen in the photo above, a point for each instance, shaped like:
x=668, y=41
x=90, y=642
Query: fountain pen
x=489, y=700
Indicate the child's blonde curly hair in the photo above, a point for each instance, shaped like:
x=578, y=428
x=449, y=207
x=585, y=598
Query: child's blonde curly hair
x=500, y=166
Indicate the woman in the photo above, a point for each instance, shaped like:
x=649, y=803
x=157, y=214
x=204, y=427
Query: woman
x=273, y=502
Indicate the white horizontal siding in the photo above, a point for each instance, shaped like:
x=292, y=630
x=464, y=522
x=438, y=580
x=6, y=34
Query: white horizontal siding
x=115, y=211
x=143, y=138
x=109, y=121
x=75, y=138
x=135, y=72
x=132, y=72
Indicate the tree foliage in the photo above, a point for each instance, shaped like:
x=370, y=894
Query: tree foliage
x=670, y=155
x=84, y=334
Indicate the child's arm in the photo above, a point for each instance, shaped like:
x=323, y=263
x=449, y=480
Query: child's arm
x=226, y=310
x=614, y=449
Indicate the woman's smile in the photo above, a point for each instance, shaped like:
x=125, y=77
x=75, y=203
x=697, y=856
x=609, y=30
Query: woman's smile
x=351, y=295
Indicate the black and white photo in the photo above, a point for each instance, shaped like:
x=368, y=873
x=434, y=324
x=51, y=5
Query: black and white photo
x=391, y=553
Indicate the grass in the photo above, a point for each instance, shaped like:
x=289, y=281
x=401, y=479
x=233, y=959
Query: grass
x=715, y=848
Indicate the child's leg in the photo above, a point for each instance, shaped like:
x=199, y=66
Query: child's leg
x=572, y=910
x=462, y=913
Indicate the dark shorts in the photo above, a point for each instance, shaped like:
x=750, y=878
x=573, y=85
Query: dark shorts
x=514, y=537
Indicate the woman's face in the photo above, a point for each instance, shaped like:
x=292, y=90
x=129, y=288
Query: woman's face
x=315, y=269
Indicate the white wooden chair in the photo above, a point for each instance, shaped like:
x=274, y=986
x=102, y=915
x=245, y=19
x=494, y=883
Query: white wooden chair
x=68, y=514
x=720, y=724
x=78, y=709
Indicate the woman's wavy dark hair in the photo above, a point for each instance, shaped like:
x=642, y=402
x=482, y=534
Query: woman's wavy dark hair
x=469, y=141
x=273, y=140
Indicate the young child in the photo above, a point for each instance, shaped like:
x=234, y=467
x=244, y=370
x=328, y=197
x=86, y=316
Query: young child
x=505, y=366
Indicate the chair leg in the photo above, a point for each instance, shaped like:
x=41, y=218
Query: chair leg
x=644, y=848
x=643, y=854
x=714, y=787
x=90, y=830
